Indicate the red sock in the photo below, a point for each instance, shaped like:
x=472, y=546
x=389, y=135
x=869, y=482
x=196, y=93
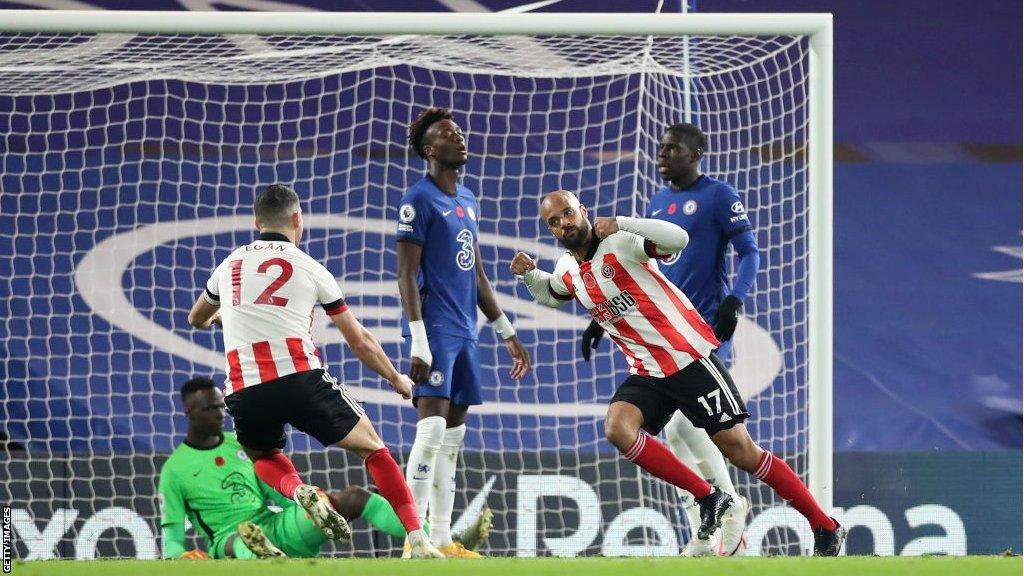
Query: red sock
x=657, y=459
x=774, y=472
x=279, y=473
x=391, y=483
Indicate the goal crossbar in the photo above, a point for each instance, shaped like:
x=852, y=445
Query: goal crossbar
x=817, y=26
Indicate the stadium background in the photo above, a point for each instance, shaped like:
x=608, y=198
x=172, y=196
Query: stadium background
x=927, y=279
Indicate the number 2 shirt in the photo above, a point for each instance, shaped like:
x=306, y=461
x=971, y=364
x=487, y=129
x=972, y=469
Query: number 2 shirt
x=445, y=226
x=266, y=291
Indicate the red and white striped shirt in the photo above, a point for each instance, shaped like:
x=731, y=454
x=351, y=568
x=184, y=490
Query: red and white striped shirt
x=650, y=319
x=266, y=292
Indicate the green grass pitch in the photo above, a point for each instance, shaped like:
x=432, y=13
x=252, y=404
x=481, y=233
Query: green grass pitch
x=845, y=566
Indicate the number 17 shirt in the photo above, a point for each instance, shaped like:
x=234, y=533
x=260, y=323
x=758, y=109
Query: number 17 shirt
x=445, y=227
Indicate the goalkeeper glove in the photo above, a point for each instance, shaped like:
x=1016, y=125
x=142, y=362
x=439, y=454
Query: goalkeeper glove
x=591, y=338
x=726, y=316
x=194, y=555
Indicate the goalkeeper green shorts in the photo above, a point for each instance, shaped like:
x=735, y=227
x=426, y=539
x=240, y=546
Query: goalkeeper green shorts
x=291, y=530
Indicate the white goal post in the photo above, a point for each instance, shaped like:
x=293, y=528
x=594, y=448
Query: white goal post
x=815, y=238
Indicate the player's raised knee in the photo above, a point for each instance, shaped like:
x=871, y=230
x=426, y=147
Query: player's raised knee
x=619, y=433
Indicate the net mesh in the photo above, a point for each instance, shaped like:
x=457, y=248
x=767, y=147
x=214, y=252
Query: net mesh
x=130, y=163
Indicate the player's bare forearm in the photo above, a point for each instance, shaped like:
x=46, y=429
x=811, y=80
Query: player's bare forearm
x=203, y=314
x=364, y=345
x=485, y=299
x=371, y=354
x=409, y=254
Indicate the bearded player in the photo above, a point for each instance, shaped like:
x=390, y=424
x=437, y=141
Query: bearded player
x=608, y=269
x=713, y=215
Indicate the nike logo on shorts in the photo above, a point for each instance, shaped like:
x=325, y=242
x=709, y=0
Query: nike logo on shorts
x=656, y=212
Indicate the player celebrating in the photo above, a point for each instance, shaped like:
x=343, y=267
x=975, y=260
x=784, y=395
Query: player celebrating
x=210, y=480
x=275, y=375
x=441, y=280
x=713, y=214
x=608, y=270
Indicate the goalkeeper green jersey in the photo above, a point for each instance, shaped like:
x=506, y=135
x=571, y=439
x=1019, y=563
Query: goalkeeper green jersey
x=215, y=488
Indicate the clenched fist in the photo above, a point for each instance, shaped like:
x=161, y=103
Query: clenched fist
x=403, y=386
x=605, y=226
x=522, y=264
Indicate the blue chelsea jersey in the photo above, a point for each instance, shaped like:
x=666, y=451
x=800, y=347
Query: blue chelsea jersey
x=445, y=226
x=712, y=213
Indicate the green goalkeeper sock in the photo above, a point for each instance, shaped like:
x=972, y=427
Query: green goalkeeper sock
x=379, y=513
x=240, y=550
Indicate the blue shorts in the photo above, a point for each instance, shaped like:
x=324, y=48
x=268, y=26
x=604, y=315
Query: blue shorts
x=455, y=374
x=724, y=352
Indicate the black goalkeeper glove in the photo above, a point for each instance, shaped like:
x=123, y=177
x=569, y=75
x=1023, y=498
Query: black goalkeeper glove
x=591, y=338
x=726, y=316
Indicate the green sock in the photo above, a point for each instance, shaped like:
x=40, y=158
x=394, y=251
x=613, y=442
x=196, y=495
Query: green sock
x=240, y=550
x=379, y=513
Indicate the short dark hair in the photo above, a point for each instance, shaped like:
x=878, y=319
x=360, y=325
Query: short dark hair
x=420, y=125
x=275, y=205
x=692, y=136
x=195, y=385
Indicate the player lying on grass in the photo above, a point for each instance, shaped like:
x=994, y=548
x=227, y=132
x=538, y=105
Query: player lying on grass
x=210, y=480
x=608, y=269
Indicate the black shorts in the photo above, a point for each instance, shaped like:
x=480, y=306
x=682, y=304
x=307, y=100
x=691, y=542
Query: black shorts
x=311, y=401
x=703, y=391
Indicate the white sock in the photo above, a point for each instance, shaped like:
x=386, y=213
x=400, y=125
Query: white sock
x=682, y=450
x=419, y=471
x=693, y=446
x=442, y=497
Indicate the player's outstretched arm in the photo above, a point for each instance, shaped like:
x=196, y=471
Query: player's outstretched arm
x=488, y=304
x=368, y=350
x=537, y=281
x=409, y=255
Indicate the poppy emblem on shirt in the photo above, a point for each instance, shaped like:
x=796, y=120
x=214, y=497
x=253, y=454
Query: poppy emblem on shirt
x=672, y=208
x=588, y=280
x=690, y=207
x=607, y=271
x=219, y=460
x=460, y=212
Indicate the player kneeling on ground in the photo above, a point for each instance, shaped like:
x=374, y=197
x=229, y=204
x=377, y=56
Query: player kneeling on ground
x=210, y=480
